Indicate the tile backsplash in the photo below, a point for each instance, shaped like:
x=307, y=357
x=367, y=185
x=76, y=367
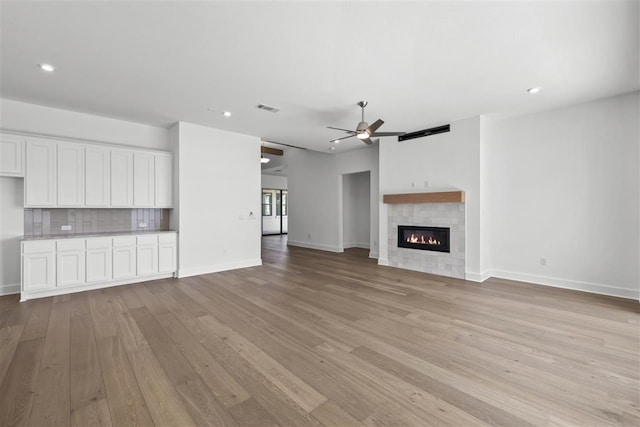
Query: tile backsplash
x=48, y=222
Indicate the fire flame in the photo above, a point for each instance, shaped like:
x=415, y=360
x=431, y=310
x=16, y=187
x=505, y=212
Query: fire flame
x=420, y=239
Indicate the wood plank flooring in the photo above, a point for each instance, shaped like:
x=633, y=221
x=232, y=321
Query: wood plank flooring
x=314, y=338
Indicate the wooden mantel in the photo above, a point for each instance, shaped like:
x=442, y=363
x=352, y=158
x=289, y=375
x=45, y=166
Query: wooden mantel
x=435, y=197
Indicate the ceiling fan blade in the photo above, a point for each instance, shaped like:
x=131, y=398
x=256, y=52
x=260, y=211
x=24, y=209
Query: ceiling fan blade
x=367, y=141
x=344, y=130
x=371, y=129
x=344, y=137
x=388, y=133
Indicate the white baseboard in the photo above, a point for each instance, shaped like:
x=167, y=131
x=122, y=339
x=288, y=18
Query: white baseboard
x=356, y=245
x=10, y=289
x=373, y=255
x=25, y=296
x=568, y=284
x=215, y=268
x=477, y=277
x=383, y=261
x=315, y=246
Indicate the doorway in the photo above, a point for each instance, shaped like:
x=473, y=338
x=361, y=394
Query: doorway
x=275, y=211
x=356, y=210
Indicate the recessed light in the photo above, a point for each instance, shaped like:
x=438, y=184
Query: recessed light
x=332, y=148
x=534, y=89
x=227, y=114
x=47, y=67
x=337, y=141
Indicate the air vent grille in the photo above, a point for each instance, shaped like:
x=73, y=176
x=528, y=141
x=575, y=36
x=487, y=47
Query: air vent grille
x=424, y=132
x=269, y=108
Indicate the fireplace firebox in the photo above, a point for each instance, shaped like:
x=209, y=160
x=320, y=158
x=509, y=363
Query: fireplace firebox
x=424, y=238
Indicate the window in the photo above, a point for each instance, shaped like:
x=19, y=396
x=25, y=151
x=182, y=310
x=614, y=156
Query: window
x=281, y=207
x=266, y=204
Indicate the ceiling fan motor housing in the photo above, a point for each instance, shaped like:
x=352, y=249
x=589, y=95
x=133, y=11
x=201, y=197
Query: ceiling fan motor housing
x=362, y=126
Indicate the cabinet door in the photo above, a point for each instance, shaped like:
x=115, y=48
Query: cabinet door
x=121, y=178
x=11, y=155
x=97, y=176
x=163, y=180
x=124, y=262
x=167, y=257
x=38, y=272
x=70, y=168
x=40, y=174
x=99, y=267
x=70, y=268
x=147, y=260
x=143, y=179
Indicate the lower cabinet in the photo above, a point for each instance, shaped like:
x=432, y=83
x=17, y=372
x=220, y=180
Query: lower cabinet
x=147, y=255
x=99, y=260
x=38, y=266
x=124, y=257
x=167, y=253
x=70, y=262
x=53, y=267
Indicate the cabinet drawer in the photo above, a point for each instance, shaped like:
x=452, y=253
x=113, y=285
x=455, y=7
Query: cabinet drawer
x=38, y=246
x=99, y=243
x=121, y=241
x=70, y=245
x=148, y=240
x=167, y=238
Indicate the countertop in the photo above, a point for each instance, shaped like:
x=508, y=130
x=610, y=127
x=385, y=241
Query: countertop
x=85, y=235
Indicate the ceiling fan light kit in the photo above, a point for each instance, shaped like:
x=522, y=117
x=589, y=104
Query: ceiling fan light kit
x=363, y=131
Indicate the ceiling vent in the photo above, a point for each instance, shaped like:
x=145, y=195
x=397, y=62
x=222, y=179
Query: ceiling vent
x=269, y=108
x=424, y=132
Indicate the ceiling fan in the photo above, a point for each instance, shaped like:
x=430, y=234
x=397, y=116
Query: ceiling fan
x=363, y=131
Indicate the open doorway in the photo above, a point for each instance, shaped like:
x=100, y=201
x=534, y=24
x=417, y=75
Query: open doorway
x=275, y=211
x=356, y=210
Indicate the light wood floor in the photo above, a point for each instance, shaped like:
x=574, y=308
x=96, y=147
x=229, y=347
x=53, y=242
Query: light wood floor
x=315, y=338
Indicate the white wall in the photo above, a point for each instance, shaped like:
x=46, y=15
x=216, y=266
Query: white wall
x=219, y=203
x=274, y=181
x=315, y=196
x=11, y=231
x=440, y=162
x=356, y=207
x=31, y=118
x=565, y=187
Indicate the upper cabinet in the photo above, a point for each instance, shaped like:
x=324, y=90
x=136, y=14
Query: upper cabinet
x=97, y=176
x=70, y=174
x=121, y=178
x=143, y=180
x=40, y=174
x=11, y=155
x=70, y=166
x=163, y=180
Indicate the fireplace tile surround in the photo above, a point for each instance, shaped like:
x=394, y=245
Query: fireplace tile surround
x=450, y=215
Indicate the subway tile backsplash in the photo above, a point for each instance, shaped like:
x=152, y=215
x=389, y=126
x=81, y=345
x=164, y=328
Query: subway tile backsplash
x=48, y=222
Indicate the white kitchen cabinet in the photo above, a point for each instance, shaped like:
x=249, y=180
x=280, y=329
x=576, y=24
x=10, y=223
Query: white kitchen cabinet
x=40, y=174
x=124, y=257
x=99, y=260
x=163, y=180
x=121, y=178
x=70, y=174
x=11, y=155
x=38, y=266
x=147, y=255
x=70, y=262
x=61, y=266
x=97, y=184
x=167, y=253
x=143, y=180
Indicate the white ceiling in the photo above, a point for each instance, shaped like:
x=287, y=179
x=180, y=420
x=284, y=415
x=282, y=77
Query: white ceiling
x=417, y=63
